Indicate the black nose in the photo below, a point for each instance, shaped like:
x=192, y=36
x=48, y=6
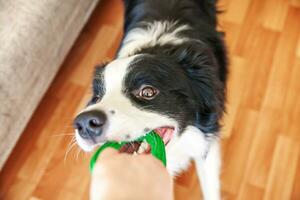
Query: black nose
x=90, y=124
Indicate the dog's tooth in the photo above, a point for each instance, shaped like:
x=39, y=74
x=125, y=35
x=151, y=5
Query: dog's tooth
x=140, y=150
x=142, y=147
x=134, y=153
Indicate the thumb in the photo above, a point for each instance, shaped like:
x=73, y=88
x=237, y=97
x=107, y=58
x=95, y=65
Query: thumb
x=108, y=152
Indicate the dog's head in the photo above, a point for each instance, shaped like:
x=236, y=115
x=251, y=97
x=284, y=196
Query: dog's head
x=166, y=92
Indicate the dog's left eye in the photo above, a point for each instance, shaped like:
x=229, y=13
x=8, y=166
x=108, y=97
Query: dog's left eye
x=147, y=92
x=96, y=99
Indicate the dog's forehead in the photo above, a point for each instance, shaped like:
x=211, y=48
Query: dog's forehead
x=116, y=71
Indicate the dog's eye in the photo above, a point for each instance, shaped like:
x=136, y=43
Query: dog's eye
x=96, y=98
x=147, y=92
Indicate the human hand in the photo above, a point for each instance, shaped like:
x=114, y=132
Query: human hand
x=126, y=176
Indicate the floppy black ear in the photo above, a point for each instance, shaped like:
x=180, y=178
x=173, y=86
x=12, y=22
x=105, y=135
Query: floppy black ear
x=202, y=71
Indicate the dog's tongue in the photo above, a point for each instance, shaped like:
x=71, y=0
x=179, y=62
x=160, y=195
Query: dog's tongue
x=165, y=133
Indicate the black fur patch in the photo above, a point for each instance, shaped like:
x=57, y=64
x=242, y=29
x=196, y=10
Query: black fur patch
x=98, y=86
x=190, y=90
x=199, y=15
x=191, y=77
x=169, y=78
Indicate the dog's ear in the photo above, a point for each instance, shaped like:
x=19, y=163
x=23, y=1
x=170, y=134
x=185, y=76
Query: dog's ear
x=202, y=73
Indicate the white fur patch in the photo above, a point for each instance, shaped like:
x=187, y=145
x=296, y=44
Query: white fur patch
x=157, y=32
x=182, y=149
x=86, y=145
x=193, y=145
x=208, y=170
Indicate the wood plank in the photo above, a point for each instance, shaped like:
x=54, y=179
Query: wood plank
x=298, y=48
x=295, y=3
x=250, y=192
x=238, y=73
x=296, y=187
x=283, y=61
x=236, y=11
x=274, y=16
x=285, y=158
x=241, y=138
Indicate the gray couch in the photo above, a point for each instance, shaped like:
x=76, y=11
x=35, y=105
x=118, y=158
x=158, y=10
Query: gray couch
x=35, y=36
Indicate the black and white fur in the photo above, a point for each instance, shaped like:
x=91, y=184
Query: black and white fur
x=174, y=46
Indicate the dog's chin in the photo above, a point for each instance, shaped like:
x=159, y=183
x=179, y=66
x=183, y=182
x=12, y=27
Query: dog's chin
x=87, y=148
x=83, y=144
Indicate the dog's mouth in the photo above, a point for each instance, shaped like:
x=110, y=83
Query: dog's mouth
x=166, y=134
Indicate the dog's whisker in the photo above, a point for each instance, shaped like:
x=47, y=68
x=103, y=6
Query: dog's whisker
x=78, y=153
x=71, y=144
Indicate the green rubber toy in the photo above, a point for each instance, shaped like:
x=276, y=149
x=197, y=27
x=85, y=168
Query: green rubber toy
x=152, y=138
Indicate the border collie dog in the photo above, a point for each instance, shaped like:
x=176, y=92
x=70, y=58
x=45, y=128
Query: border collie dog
x=169, y=76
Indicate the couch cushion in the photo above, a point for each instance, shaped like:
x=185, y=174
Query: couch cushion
x=35, y=37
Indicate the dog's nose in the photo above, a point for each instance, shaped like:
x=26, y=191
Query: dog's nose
x=90, y=124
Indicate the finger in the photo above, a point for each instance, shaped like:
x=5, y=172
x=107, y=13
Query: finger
x=108, y=152
x=152, y=160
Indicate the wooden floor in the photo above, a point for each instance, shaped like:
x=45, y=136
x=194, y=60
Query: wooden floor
x=261, y=134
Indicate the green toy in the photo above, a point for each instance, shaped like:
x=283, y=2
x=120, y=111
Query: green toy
x=152, y=138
